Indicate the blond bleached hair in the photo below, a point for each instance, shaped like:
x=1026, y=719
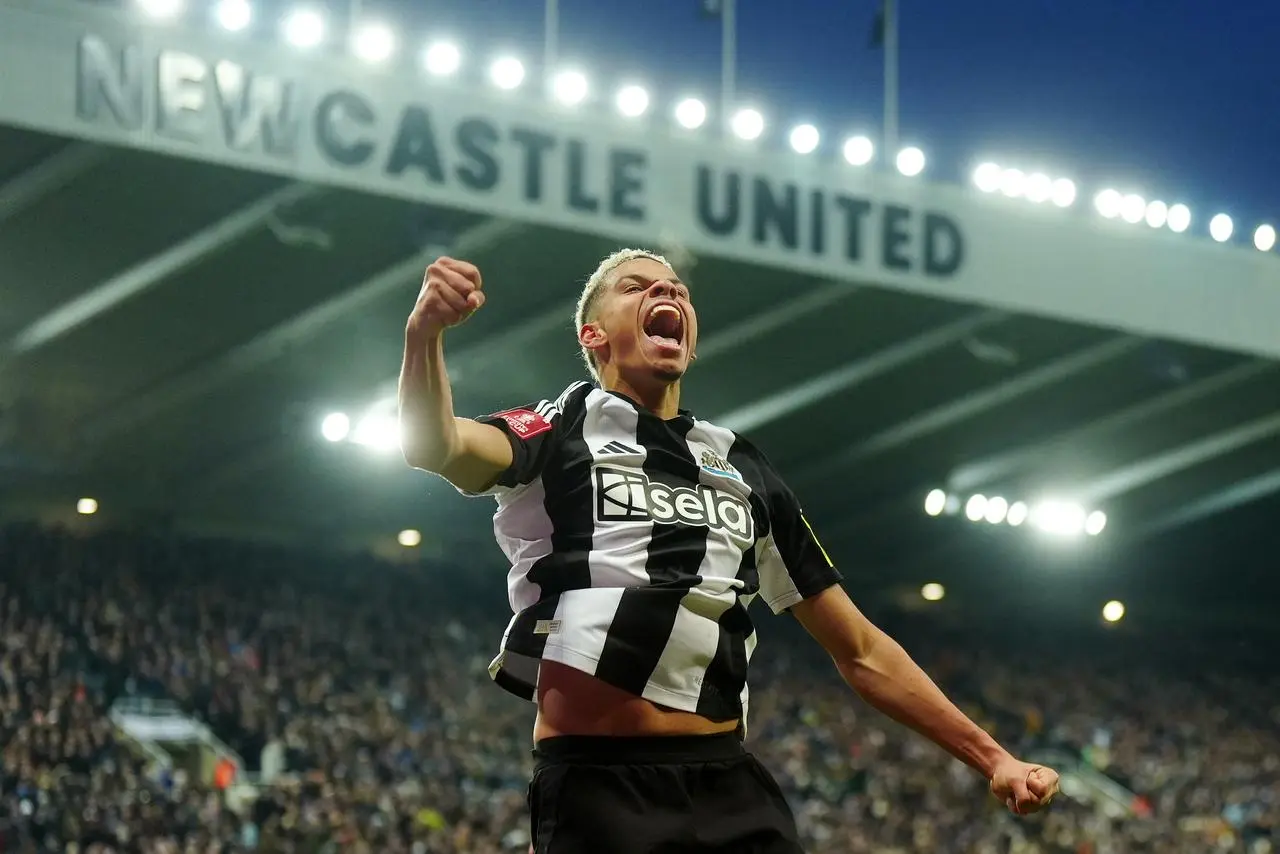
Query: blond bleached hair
x=585, y=312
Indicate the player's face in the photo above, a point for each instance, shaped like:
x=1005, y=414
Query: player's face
x=647, y=322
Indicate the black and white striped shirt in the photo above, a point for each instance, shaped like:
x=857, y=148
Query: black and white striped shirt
x=636, y=545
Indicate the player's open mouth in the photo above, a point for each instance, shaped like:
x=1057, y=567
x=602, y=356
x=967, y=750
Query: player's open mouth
x=664, y=326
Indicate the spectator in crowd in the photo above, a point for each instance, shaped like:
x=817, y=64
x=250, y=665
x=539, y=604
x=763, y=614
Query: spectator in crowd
x=355, y=696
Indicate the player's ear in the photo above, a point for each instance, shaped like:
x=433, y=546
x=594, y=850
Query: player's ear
x=592, y=336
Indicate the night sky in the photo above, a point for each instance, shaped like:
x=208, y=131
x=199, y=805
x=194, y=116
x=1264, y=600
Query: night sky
x=1173, y=99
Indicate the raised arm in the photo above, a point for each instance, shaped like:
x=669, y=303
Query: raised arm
x=796, y=574
x=468, y=454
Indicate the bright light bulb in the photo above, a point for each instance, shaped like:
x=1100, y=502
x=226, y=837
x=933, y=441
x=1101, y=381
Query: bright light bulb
x=1264, y=238
x=1064, y=192
x=691, y=113
x=858, y=150
x=1133, y=208
x=997, y=509
x=1220, y=228
x=1059, y=517
x=975, y=508
x=1012, y=183
x=570, y=87
x=987, y=177
x=374, y=43
x=304, y=28
x=1113, y=611
x=1095, y=522
x=442, y=59
x=748, y=124
x=409, y=538
x=379, y=432
x=87, y=506
x=234, y=15
x=1017, y=513
x=804, y=139
x=633, y=101
x=910, y=161
x=1108, y=203
x=335, y=426
x=1179, y=219
x=161, y=9
x=935, y=502
x=933, y=592
x=1039, y=187
x=507, y=73
x=1157, y=214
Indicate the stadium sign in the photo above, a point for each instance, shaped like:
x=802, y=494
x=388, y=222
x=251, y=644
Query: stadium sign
x=92, y=73
x=437, y=154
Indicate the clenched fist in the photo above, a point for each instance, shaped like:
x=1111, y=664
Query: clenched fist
x=450, y=294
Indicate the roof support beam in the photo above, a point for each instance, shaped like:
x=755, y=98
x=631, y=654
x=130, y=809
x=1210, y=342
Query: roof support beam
x=149, y=273
x=269, y=344
x=476, y=358
x=1229, y=498
x=766, y=410
x=48, y=176
x=971, y=405
x=992, y=469
x=1148, y=471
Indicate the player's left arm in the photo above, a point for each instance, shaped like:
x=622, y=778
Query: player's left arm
x=796, y=574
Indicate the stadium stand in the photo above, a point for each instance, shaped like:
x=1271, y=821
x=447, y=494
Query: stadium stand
x=357, y=717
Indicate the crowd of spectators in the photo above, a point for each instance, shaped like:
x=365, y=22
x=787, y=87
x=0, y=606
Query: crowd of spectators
x=355, y=692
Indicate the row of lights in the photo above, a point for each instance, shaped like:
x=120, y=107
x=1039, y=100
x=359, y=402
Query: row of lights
x=1110, y=203
x=377, y=431
x=375, y=43
x=1063, y=518
x=1112, y=611
x=1034, y=187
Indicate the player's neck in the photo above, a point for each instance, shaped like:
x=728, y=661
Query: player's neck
x=662, y=399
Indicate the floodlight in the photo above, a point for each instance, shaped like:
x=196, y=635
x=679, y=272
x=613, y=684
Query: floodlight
x=161, y=9
x=234, y=15
x=1220, y=228
x=441, y=59
x=374, y=43
x=987, y=177
x=910, y=161
x=633, y=101
x=507, y=73
x=1264, y=238
x=804, y=139
x=570, y=88
x=691, y=113
x=335, y=426
x=748, y=124
x=1157, y=214
x=304, y=28
x=858, y=150
x=1108, y=203
x=1064, y=192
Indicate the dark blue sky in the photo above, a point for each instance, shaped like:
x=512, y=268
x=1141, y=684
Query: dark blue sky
x=1175, y=99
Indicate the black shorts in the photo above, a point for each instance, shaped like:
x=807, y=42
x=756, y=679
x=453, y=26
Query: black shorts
x=656, y=795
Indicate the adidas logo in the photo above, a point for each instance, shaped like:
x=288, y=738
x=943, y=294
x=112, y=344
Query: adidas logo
x=617, y=448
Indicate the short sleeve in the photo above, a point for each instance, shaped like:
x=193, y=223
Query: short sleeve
x=534, y=432
x=793, y=565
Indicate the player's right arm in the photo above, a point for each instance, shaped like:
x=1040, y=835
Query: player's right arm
x=468, y=454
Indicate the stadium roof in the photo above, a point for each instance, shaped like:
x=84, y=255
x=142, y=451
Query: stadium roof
x=174, y=332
